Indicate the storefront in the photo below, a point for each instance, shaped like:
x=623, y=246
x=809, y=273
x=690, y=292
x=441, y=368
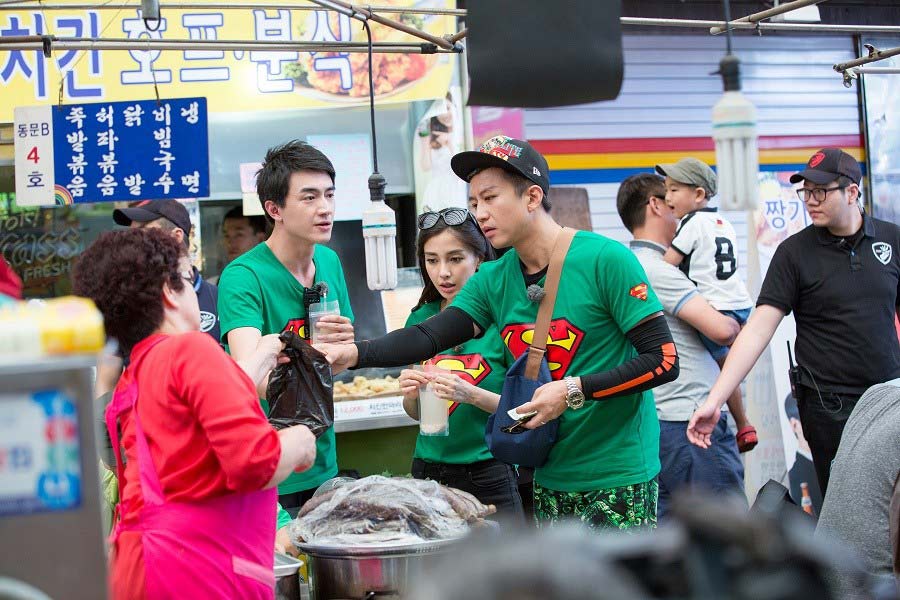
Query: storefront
x=260, y=98
x=256, y=99
x=662, y=113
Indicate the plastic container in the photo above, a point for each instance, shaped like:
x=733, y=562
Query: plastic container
x=316, y=312
x=434, y=411
x=62, y=326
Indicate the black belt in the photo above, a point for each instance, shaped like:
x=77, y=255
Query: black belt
x=457, y=468
x=805, y=390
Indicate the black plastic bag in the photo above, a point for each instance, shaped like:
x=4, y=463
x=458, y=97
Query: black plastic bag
x=301, y=392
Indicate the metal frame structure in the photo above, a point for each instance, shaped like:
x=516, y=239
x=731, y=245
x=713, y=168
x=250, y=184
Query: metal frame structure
x=447, y=43
x=852, y=69
x=430, y=44
x=778, y=9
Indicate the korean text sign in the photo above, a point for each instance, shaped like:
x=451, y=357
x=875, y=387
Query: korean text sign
x=112, y=151
x=232, y=80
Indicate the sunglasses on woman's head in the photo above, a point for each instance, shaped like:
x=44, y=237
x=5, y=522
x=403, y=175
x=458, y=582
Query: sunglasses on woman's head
x=451, y=216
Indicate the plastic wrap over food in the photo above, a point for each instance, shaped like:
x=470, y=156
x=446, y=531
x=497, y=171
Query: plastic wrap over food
x=333, y=483
x=378, y=510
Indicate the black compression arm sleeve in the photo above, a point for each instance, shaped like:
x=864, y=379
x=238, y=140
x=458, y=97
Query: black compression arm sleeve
x=655, y=364
x=406, y=346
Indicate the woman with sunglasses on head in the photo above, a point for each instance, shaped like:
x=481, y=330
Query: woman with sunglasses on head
x=450, y=248
x=197, y=510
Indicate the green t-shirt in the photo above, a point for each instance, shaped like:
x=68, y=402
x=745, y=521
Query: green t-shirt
x=481, y=362
x=256, y=290
x=603, y=293
x=282, y=518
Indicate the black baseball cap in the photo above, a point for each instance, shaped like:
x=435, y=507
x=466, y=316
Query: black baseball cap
x=151, y=210
x=828, y=164
x=509, y=154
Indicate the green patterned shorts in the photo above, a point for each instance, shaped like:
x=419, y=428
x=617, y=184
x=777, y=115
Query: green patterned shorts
x=627, y=507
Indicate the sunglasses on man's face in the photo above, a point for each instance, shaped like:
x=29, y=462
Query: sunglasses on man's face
x=451, y=216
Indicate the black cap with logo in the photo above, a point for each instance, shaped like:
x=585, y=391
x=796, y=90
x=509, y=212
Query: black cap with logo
x=828, y=164
x=151, y=210
x=509, y=154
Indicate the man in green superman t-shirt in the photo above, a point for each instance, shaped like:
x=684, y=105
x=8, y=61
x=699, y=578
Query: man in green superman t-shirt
x=608, y=342
x=262, y=291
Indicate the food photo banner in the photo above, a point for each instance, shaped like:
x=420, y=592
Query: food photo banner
x=233, y=81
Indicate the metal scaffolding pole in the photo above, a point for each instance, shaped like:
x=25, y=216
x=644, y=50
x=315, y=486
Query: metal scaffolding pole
x=446, y=41
x=765, y=14
x=10, y=5
x=458, y=36
x=50, y=43
x=874, y=56
x=876, y=70
x=807, y=27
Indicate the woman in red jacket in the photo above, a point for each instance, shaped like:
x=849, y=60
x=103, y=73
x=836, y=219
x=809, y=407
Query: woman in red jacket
x=198, y=496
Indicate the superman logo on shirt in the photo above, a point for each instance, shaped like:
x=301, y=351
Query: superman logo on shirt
x=563, y=340
x=298, y=326
x=468, y=367
x=639, y=291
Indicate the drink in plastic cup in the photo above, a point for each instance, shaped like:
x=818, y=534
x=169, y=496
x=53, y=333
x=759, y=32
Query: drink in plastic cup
x=317, y=311
x=434, y=416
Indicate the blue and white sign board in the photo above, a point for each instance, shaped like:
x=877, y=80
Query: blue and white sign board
x=40, y=455
x=111, y=151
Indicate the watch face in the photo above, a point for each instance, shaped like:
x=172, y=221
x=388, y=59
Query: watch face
x=575, y=399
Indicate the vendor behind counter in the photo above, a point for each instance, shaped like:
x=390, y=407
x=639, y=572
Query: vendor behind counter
x=199, y=450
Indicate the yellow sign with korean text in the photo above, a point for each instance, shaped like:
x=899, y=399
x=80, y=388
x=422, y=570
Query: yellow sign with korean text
x=232, y=81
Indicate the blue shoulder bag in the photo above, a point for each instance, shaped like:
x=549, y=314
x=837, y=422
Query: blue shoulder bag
x=529, y=448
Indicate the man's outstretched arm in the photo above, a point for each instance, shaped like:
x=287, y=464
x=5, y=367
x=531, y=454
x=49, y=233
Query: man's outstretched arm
x=406, y=346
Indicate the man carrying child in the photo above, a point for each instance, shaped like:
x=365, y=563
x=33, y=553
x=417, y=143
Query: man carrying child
x=704, y=248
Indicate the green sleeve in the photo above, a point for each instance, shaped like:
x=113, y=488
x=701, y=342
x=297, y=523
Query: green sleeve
x=422, y=313
x=240, y=300
x=474, y=299
x=282, y=519
x=624, y=287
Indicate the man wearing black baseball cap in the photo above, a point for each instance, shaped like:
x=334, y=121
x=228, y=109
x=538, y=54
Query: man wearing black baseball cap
x=172, y=216
x=513, y=157
x=608, y=342
x=840, y=276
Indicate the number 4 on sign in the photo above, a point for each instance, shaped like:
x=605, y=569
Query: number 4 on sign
x=33, y=155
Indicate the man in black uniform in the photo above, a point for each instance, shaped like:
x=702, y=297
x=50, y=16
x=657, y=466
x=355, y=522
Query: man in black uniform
x=840, y=276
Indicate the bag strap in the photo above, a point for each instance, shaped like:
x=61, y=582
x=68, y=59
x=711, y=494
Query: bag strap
x=551, y=286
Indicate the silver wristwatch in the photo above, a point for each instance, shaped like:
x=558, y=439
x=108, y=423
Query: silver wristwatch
x=574, y=396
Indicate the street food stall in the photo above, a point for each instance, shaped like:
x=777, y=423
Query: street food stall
x=304, y=75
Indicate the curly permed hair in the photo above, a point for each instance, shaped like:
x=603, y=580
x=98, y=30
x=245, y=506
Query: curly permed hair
x=123, y=272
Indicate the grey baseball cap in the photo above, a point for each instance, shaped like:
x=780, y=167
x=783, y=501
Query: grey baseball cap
x=691, y=171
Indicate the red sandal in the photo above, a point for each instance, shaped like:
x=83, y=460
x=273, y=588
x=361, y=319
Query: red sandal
x=747, y=439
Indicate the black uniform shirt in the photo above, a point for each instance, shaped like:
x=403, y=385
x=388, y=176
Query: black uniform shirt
x=207, y=298
x=844, y=293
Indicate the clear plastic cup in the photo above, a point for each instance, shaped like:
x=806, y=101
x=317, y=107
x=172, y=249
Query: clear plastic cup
x=316, y=312
x=434, y=414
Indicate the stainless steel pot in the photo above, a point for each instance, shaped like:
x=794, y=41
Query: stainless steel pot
x=287, y=577
x=368, y=572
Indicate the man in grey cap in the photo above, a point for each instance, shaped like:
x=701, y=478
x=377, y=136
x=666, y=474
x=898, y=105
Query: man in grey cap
x=841, y=277
x=172, y=216
x=705, y=249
